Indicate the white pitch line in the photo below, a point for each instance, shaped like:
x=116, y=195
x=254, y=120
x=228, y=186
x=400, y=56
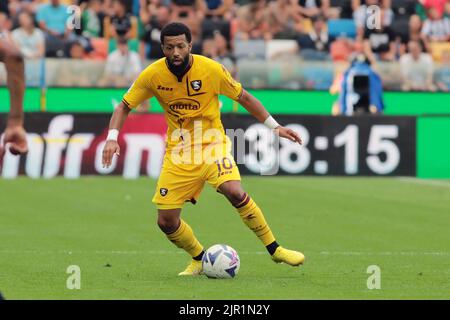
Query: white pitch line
x=133, y=252
x=108, y=252
x=434, y=183
x=387, y=253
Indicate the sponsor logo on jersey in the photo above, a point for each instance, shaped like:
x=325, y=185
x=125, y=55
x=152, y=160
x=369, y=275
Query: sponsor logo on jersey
x=196, y=84
x=184, y=105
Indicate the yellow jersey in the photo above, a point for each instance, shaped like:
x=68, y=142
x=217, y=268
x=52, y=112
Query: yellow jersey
x=190, y=101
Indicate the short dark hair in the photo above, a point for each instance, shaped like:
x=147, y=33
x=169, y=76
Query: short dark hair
x=175, y=29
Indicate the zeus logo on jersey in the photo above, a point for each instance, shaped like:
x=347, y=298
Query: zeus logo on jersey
x=163, y=191
x=160, y=87
x=196, y=84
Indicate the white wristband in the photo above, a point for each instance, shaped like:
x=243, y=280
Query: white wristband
x=113, y=134
x=271, y=123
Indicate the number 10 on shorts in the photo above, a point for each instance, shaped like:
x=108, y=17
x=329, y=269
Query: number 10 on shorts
x=224, y=166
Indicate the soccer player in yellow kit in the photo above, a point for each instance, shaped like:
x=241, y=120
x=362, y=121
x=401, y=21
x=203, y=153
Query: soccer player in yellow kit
x=197, y=151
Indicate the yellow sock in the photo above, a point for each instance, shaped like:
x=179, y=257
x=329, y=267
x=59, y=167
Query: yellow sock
x=253, y=217
x=184, y=238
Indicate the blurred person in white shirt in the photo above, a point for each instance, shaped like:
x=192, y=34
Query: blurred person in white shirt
x=28, y=38
x=122, y=65
x=417, y=69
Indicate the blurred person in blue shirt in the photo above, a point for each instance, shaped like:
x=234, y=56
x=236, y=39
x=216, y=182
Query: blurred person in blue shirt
x=52, y=18
x=361, y=89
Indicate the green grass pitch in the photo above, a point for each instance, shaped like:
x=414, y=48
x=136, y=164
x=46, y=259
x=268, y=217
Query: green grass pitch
x=107, y=226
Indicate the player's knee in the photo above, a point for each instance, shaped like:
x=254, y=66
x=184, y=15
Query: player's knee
x=168, y=224
x=14, y=56
x=235, y=195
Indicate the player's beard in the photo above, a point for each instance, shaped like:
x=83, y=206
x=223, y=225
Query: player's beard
x=179, y=69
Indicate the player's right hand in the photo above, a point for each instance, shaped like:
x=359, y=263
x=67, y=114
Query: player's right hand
x=111, y=148
x=16, y=138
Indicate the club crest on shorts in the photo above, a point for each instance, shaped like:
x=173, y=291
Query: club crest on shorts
x=163, y=191
x=196, y=84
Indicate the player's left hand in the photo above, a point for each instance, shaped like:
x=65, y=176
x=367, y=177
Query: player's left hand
x=16, y=137
x=288, y=134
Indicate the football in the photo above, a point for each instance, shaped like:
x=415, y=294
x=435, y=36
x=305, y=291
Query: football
x=220, y=261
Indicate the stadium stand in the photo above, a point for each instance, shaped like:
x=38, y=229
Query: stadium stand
x=230, y=31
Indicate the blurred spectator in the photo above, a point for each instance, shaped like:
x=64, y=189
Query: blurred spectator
x=120, y=24
x=5, y=26
x=52, y=18
x=92, y=19
x=438, y=5
x=17, y=6
x=361, y=89
x=342, y=48
x=190, y=9
x=219, y=9
x=191, y=13
x=252, y=23
x=402, y=9
x=107, y=7
x=77, y=51
x=417, y=69
x=361, y=15
x=28, y=38
x=317, y=38
x=310, y=8
x=379, y=43
x=152, y=32
x=218, y=15
x=216, y=48
x=420, y=10
x=415, y=26
x=149, y=10
x=215, y=22
x=281, y=20
x=436, y=28
x=442, y=75
x=122, y=66
x=341, y=9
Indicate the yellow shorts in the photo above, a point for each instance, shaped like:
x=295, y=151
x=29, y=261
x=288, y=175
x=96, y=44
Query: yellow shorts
x=180, y=183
